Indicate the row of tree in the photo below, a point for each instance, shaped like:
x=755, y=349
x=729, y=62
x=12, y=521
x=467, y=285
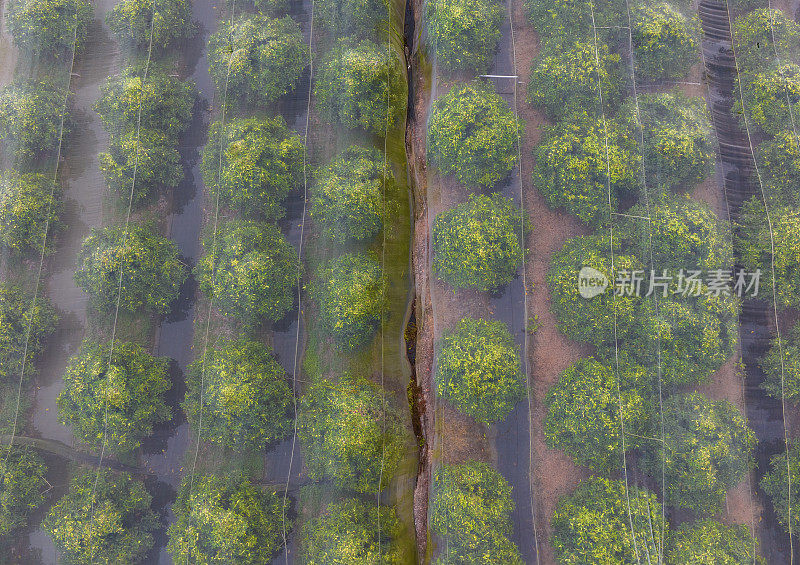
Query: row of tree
x=605, y=151
x=768, y=57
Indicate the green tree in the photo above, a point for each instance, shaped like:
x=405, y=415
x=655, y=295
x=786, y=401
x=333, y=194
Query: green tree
x=707, y=450
x=597, y=319
x=779, y=164
x=690, y=337
x=758, y=238
x=770, y=97
x=711, y=543
x=471, y=509
x=679, y=148
x=142, y=22
x=349, y=291
x=25, y=325
x=586, y=408
x=565, y=21
x=347, y=532
x=464, y=34
x=677, y=232
x=347, y=194
x=595, y=524
x=349, y=434
x=351, y=87
x=478, y=369
x=31, y=113
x=225, y=520
x=22, y=488
x=28, y=205
x=565, y=80
x=257, y=59
x=272, y=8
x=479, y=243
x=150, y=154
x=104, y=518
x=114, y=394
x=159, y=101
x=573, y=163
x=665, y=42
x=250, y=271
x=753, y=37
x=136, y=268
x=253, y=164
x=782, y=378
x=352, y=17
x=775, y=484
x=242, y=393
x=473, y=134
x=49, y=27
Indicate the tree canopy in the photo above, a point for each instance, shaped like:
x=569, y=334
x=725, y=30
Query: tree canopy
x=252, y=164
x=347, y=194
x=594, y=524
x=49, y=27
x=775, y=484
x=29, y=210
x=707, y=450
x=151, y=154
x=755, y=242
x=350, y=434
x=782, y=378
x=243, y=394
x=349, y=291
x=348, y=532
x=779, y=164
x=753, y=35
x=105, y=517
x=691, y=337
x=478, y=244
x=563, y=21
x=471, y=509
x=31, y=113
x=250, y=270
x=225, y=520
x=138, y=22
x=352, y=17
x=159, y=101
x=665, y=42
x=565, y=80
x=22, y=488
x=678, y=148
x=473, y=134
x=681, y=233
x=770, y=96
x=463, y=34
x=25, y=324
x=112, y=398
x=351, y=87
x=148, y=263
x=573, y=164
x=478, y=369
x=586, y=406
x=256, y=58
x=709, y=542
x=591, y=320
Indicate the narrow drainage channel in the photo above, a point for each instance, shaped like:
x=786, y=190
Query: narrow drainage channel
x=763, y=412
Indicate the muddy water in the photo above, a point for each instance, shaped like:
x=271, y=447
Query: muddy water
x=756, y=320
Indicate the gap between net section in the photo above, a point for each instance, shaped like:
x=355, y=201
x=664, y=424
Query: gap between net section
x=613, y=298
